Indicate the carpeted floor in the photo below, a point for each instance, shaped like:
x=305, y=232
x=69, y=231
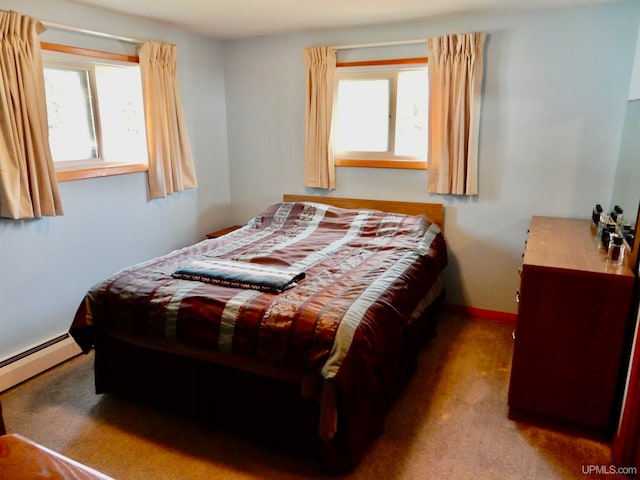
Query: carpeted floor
x=450, y=423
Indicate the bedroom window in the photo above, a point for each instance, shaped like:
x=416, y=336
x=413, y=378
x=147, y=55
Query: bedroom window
x=95, y=114
x=380, y=114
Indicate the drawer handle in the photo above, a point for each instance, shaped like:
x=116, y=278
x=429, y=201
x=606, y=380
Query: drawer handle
x=513, y=335
x=518, y=296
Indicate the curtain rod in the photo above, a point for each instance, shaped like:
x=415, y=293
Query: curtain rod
x=380, y=44
x=69, y=28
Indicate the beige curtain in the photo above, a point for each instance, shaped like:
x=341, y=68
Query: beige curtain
x=319, y=169
x=28, y=186
x=455, y=80
x=171, y=166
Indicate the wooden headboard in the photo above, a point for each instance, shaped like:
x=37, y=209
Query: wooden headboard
x=434, y=211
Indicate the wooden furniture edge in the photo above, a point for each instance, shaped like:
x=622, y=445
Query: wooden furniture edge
x=23, y=458
x=3, y=430
x=223, y=231
x=435, y=211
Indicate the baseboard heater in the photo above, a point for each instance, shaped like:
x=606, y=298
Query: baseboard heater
x=37, y=359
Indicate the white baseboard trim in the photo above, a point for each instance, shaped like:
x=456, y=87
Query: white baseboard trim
x=31, y=365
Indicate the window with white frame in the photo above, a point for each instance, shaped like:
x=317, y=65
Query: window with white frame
x=380, y=115
x=95, y=111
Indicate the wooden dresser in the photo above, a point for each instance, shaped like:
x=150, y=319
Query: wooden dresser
x=571, y=337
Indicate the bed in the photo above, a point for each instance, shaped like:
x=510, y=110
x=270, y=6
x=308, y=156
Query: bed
x=298, y=329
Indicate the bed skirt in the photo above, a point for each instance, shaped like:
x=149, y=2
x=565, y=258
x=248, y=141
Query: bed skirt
x=271, y=411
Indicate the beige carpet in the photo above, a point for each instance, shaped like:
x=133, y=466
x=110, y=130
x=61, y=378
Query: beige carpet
x=450, y=423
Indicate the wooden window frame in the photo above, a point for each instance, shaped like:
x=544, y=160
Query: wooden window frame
x=78, y=172
x=369, y=163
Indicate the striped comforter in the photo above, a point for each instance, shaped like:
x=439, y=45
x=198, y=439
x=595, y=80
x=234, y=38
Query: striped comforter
x=366, y=273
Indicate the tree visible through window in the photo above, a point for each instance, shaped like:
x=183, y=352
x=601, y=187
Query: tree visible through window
x=95, y=110
x=72, y=132
x=380, y=116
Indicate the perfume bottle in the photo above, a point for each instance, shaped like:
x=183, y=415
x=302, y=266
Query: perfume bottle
x=616, y=215
x=596, y=214
x=608, y=230
x=616, y=249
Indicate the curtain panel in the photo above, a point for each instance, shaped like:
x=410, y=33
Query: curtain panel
x=171, y=167
x=28, y=186
x=319, y=168
x=455, y=81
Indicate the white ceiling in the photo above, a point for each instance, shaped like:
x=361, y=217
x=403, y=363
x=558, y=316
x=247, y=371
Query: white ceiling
x=227, y=19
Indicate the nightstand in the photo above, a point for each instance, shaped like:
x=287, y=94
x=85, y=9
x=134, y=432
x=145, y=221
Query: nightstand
x=223, y=231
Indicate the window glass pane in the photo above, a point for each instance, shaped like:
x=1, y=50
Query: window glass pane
x=362, y=122
x=411, y=113
x=121, y=113
x=72, y=134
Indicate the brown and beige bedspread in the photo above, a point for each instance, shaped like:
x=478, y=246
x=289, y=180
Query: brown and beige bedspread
x=365, y=273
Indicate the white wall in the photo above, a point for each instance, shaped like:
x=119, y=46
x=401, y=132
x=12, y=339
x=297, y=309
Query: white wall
x=47, y=265
x=634, y=88
x=555, y=88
